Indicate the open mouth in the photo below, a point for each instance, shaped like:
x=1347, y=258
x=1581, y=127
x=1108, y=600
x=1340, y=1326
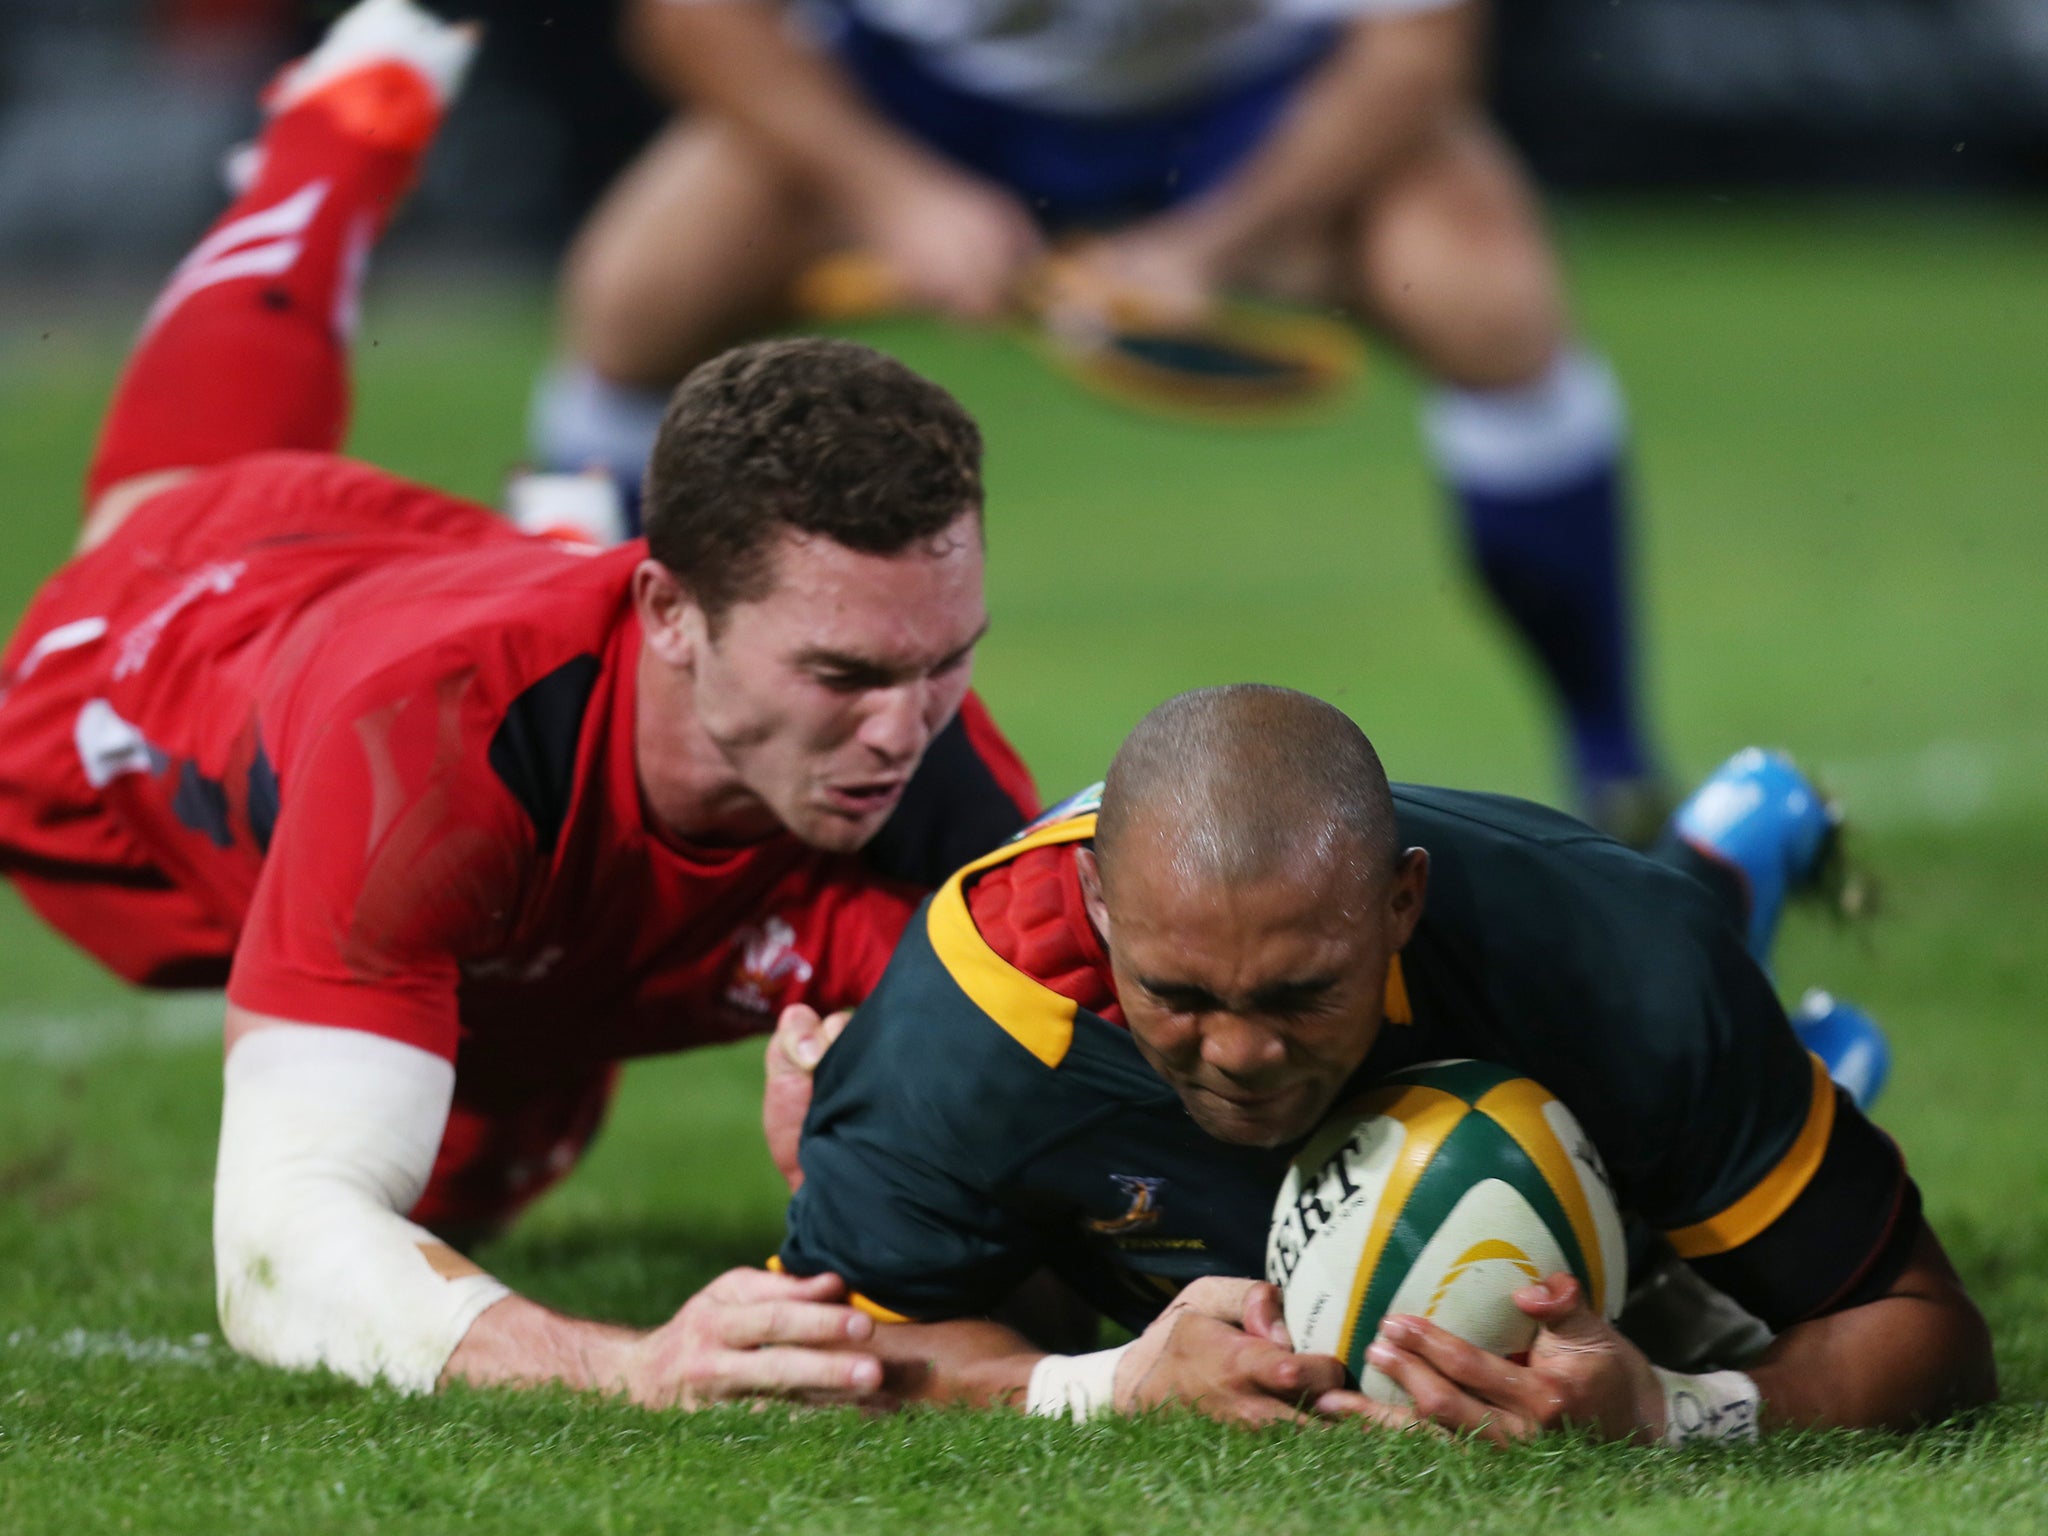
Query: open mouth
x=863, y=799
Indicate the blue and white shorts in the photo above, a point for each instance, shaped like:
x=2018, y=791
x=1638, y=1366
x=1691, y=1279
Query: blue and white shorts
x=1078, y=171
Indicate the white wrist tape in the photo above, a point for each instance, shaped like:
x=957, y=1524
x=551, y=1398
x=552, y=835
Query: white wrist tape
x=326, y=1137
x=1721, y=1405
x=1079, y=1386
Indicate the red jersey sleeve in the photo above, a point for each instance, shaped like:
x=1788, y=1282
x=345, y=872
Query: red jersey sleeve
x=397, y=855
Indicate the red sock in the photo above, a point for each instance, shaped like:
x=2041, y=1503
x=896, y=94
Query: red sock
x=246, y=349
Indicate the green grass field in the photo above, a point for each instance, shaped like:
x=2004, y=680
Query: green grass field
x=1843, y=460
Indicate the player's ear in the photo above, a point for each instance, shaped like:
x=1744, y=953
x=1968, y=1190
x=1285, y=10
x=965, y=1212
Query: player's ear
x=1409, y=893
x=1091, y=890
x=670, y=617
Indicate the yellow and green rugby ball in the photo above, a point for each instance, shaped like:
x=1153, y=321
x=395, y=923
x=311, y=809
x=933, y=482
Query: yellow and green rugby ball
x=1439, y=1193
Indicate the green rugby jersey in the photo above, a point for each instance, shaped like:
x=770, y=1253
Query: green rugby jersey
x=972, y=1124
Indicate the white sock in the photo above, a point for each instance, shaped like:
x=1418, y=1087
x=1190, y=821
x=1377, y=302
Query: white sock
x=1530, y=440
x=579, y=421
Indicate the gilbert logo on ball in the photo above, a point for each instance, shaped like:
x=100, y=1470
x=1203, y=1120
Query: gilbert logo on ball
x=1439, y=1193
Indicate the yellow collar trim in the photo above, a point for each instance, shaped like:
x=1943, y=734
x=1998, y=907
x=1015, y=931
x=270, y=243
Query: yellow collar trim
x=1031, y=1013
x=1398, y=1009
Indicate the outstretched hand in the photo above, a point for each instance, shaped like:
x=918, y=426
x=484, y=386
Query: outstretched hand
x=799, y=1043
x=1580, y=1371
x=750, y=1333
x=1222, y=1349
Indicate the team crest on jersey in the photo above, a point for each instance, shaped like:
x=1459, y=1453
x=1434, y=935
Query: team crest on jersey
x=1142, y=1212
x=1081, y=803
x=768, y=962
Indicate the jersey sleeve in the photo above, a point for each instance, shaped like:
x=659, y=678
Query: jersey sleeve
x=396, y=855
x=969, y=794
x=900, y=1197
x=1760, y=1172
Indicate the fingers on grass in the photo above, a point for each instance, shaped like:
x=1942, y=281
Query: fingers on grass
x=1346, y=1404
x=805, y=1375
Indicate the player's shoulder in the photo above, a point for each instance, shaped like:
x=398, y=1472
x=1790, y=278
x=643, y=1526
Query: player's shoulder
x=1544, y=904
x=491, y=662
x=1513, y=852
x=951, y=988
x=955, y=1027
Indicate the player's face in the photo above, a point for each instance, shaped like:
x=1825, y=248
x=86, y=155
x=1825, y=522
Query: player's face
x=1257, y=1001
x=816, y=702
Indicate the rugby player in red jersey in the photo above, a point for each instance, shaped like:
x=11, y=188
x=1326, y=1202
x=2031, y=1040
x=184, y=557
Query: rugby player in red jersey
x=463, y=818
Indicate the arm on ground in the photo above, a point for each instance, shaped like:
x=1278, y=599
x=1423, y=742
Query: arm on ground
x=1220, y=1349
x=1916, y=1353
x=328, y=1136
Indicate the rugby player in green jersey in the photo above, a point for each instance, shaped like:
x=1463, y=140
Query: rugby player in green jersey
x=1096, y=1048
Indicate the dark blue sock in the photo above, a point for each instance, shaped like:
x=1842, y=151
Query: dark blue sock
x=1539, y=471
x=1555, y=560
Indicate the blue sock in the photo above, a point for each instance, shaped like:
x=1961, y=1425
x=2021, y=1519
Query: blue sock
x=578, y=421
x=1539, y=475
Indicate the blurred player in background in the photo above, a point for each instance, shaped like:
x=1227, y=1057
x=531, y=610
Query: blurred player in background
x=463, y=817
x=1335, y=149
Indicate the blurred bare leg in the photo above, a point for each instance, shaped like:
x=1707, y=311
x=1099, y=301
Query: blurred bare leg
x=1527, y=430
x=696, y=248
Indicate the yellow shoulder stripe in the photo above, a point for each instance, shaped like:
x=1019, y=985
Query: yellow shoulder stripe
x=1776, y=1191
x=1034, y=1015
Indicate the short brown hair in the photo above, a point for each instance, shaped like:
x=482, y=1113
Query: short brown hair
x=809, y=434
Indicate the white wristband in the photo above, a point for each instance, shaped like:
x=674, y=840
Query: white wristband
x=1077, y=1385
x=1721, y=1405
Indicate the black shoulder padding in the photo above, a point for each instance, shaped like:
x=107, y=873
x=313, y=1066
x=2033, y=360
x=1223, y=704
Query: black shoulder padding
x=953, y=811
x=534, y=747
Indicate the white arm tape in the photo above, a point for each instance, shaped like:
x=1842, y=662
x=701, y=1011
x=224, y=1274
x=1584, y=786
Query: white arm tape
x=326, y=1137
x=1721, y=1405
x=1077, y=1385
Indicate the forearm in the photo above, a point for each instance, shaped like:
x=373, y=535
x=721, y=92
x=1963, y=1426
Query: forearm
x=967, y=1362
x=516, y=1342
x=1386, y=88
x=1917, y=1354
x=737, y=59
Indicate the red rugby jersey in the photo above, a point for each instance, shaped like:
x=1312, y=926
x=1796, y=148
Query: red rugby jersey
x=390, y=742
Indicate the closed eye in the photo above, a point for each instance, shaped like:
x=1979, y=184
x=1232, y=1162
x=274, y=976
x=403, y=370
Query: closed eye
x=1181, y=999
x=1295, y=999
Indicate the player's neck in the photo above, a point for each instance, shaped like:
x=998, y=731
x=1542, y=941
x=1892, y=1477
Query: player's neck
x=688, y=790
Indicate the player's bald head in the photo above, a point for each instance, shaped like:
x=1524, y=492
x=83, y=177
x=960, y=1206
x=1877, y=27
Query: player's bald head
x=1239, y=784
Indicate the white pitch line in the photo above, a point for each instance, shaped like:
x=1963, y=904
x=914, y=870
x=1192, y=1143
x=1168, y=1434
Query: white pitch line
x=1949, y=782
x=145, y=1025
x=119, y=1344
